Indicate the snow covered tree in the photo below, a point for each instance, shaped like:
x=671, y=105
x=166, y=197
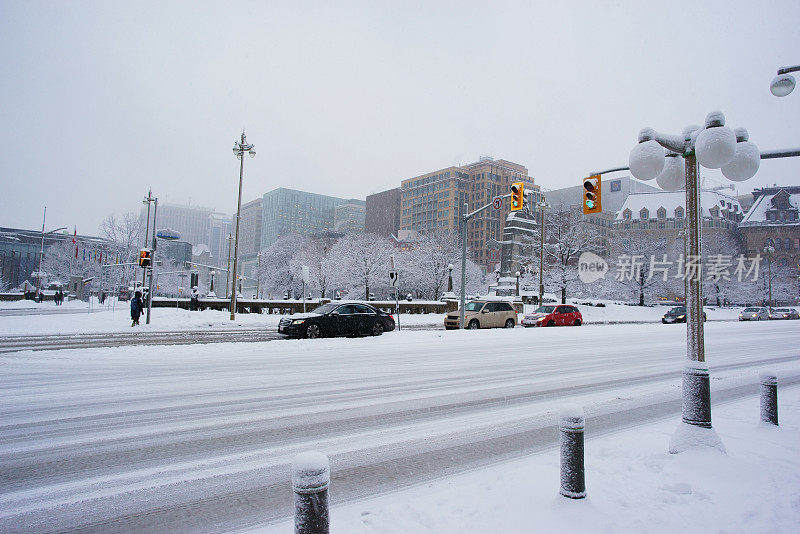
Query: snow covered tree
x=641, y=263
x=567, y=235
x=358, y=260
x=278, y=272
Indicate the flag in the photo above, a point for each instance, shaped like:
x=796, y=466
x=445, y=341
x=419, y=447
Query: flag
x=74, y=242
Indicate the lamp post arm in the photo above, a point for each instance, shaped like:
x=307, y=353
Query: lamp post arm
x=781, y=153
x=674, y=143
x=786, y=70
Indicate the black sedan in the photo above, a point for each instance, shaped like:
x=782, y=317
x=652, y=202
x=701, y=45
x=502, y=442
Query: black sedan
x=677, y=315
x=337, y=319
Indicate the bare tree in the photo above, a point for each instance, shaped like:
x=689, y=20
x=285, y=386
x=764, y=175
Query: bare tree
x=567, y=235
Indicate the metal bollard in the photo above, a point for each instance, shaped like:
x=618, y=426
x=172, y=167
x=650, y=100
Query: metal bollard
x=310, y=478
x=769, y=398
x=573, y=482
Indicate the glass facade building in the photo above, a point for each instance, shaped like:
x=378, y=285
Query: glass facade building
x=288, y=211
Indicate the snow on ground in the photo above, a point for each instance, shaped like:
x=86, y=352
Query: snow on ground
x=200, y=437
x=115, y=317
x=633, y=485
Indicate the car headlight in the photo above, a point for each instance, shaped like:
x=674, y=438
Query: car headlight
x=298, y=321
x=541, y=319
x=681, y=316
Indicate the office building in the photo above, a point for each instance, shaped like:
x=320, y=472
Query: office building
x=435, y=201
x=191, y=222
x=382, y=213
x=348, y=217
x=288, y=211
x=219, y=227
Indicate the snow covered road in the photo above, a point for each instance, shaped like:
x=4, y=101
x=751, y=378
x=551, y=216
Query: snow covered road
x=199, y=437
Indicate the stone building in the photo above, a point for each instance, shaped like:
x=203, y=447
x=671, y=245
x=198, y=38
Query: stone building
x=774, y=221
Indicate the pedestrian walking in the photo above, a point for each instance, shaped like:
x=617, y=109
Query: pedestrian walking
x=136, y=308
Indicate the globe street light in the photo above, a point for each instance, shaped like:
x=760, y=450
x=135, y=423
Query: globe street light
x=783, y=83
x=716, y=147
x=239, y=148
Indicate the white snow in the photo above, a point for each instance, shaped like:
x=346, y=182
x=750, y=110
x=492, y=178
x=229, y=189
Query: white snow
x=116, y=318
x=715, y=147
x=745, y=162
x=670, y=200
x=633, y=485
x=310, y=470
x=646, y=160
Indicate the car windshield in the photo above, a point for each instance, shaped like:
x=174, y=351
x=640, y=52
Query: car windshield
x=751, y=309
x=678, y=309
x=325, y=308
x=783, y=310
x=545, y=309
x=474, y=306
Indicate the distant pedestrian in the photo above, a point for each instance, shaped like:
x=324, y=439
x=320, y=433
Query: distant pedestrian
x=136, y=308
x=194, y=301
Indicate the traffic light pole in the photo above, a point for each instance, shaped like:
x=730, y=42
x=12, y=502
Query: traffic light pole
x=152, y=263
x=464, y=220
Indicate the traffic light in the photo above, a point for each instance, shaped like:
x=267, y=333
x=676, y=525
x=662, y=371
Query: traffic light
x=517, y=195
x=144, y=257
x=592, y=193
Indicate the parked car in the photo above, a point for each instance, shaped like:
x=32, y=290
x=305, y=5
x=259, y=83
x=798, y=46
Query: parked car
x=677, y=315
x=784, y=313
x=337, y=319
x=554, y=315
x=483, y=314
x=754, y=314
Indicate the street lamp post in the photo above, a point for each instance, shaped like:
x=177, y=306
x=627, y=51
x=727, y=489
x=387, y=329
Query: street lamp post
x=152, y=267
x=41, y=253
x=517, y=275
x=229, y=239
x=239, y=148
x=717, y=147
x=769, y=250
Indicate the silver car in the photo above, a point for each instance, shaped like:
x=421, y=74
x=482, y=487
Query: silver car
x=754, y=314
x=784, y=313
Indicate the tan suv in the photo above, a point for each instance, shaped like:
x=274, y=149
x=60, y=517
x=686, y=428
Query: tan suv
x=483, y=314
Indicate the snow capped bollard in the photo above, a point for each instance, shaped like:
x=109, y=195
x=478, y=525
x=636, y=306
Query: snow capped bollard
x=769, y=398
x=310, y=478
x=573, y=482
x=696, y=395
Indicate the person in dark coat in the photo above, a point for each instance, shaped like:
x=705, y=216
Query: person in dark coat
x=136, y=308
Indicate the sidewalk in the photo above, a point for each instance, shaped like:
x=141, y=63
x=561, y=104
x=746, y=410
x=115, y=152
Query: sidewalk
x=633, y=485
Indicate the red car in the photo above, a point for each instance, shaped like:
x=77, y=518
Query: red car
x=554, y=315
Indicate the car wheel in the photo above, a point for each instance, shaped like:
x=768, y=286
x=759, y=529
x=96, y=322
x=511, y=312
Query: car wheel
x=758, y=318
x=377, y=329
x=510, y=323
x=473, y=325
x=551, y=323
x=577, y=322
x=312, y=331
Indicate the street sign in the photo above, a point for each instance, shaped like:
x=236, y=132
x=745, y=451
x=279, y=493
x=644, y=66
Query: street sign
x=497, y=203
x=393, y=277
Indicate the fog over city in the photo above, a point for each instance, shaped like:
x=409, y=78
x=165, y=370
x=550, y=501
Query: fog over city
x=103, y=100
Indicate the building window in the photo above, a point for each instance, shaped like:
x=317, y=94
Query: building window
x=644, y=214
x=679, y=212
x=661, y=213
x=627, y=214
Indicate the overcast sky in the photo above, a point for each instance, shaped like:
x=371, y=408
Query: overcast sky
x=102, y=100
